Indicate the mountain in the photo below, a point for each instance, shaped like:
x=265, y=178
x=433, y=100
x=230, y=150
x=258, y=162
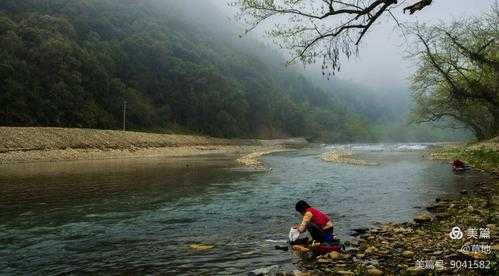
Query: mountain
x=178, y=66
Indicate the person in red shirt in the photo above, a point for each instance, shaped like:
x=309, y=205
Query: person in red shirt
x=458, y=165
x=318, y=224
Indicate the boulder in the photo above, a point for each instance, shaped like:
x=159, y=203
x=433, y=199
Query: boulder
x=408, y=254
x=423, y=217
x=374, y=272
x=370, y=250
x=334, y=255
x=345, y=273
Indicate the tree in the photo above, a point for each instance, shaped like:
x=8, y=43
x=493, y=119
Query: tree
x=324, y=29
x=458, y=74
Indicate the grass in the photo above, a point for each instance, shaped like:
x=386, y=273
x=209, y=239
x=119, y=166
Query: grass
x=482, y=155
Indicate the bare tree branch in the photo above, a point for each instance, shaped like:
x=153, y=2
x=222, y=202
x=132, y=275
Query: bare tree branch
x=328, y=29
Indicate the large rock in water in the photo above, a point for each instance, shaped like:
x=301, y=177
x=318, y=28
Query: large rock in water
x=423, y=217
x=265, y=271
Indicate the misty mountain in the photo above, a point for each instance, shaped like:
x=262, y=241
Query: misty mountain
x=177, y=64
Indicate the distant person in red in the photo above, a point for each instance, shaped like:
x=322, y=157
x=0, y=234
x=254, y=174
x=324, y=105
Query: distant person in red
x=458, y=165
x=318, y=224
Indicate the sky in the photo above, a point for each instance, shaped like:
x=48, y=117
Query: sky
x=381, y=62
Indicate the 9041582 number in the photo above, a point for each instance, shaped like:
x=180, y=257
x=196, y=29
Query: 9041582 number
x=469, y=264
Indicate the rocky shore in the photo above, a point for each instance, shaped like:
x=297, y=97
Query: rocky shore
x=454, y=236
x=483, y=156
x=422, y=247
x=425, y=247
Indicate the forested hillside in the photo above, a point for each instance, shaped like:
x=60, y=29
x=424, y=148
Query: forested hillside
x=74, y=63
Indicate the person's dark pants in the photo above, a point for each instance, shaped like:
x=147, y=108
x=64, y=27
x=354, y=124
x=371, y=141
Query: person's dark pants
x=320, y=235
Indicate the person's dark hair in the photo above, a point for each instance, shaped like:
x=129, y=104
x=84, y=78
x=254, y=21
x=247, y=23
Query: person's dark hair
x=301, y=206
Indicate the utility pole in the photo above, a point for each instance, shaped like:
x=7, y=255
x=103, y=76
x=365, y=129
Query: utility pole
x=124, y=115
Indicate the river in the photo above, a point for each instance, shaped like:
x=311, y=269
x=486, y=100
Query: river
x=141, y=215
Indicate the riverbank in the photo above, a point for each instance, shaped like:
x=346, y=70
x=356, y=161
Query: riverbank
x=482, y=156
x=62, y=144
x=425, y=247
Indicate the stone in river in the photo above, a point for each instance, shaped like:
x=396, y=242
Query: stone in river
x=300, y=273
x=324, y=260
x=415, y=271
x=408, y=254
x=370, y=250
x=334, y=255
x=423, y=217
x=374, y=272
x=265, y=271
x=201, y=247
x=359, y=231
x=345, y=273
x=300, y=248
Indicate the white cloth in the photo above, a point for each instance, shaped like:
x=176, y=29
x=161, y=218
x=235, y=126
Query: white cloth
x=294, y=234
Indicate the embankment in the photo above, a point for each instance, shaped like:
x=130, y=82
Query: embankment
x=34, y=144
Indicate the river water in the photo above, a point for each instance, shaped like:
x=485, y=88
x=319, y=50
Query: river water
x=142, y=215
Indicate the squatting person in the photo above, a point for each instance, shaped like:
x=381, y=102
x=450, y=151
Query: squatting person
x=318, y=224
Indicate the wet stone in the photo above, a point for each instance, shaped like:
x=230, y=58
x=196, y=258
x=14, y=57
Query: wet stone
x=374, y=272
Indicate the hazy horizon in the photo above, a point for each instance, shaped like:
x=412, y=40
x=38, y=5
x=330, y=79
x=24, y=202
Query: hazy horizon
x=381, y=62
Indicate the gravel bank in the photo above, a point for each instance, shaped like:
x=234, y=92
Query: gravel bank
x=62, y=144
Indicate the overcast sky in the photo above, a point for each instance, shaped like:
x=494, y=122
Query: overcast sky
x=381, y=62
x=381, y=59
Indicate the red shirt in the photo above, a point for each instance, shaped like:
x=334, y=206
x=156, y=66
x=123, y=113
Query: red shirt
x=318, y=218
x=458, y=164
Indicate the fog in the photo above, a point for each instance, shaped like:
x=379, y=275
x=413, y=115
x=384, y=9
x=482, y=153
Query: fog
x=186, y=65
x=382, y=62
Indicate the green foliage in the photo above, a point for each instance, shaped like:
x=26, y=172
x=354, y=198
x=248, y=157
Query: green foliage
x=73, y=64
x=458, y=75
x=481, y=156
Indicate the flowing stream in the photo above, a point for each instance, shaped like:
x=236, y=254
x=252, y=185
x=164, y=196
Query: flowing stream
x=142, y=215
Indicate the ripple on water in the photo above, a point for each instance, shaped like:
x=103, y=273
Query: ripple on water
x=141, y=220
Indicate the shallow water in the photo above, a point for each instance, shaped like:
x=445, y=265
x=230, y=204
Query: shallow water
x=141, y=215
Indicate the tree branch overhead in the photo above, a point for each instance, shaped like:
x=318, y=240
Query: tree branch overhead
x=328, y=29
